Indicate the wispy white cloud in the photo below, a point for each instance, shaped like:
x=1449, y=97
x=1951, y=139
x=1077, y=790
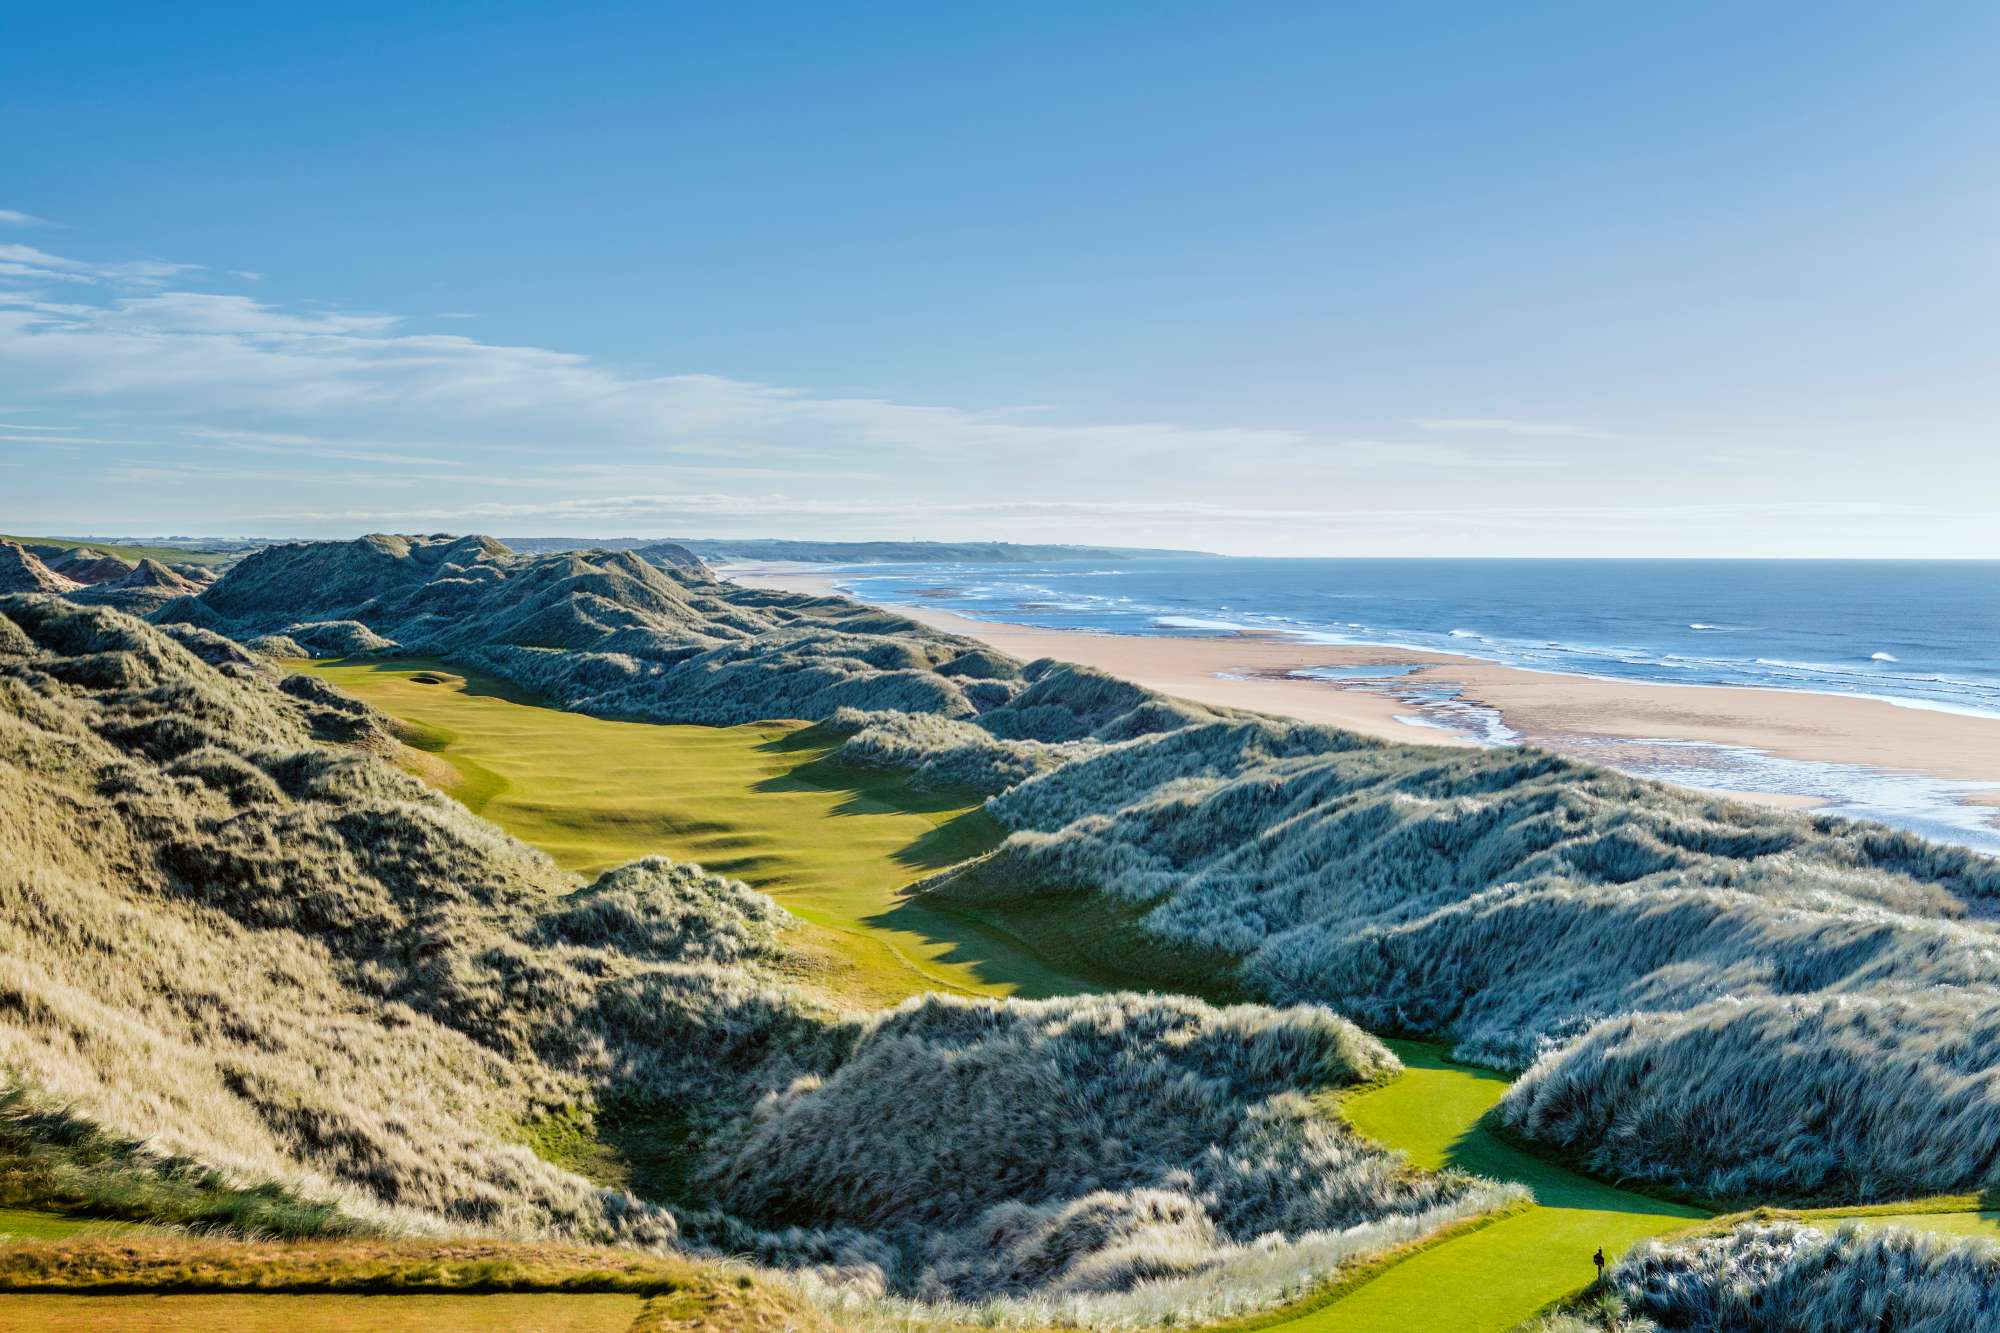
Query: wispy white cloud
x=1431, y=454
x=207, y=475
x=62, y=441
x=291, y=445
x=186, y=351
x=1507, y=426
x=14, y=217
x=27, y=262
x=278, y=417
x=778, y=505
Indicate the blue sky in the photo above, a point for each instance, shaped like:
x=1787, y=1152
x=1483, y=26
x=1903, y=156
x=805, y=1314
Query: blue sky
x=1695, y=279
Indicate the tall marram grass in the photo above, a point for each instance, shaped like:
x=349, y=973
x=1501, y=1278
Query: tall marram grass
x=1787, y=1278
x=270, y=982
x=600, y=632
x=1538, y=911
x=1086, y=1147
x=1754, y=1098
x=1549, y=913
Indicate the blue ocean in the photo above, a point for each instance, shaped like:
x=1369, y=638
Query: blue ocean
x=1919, y=634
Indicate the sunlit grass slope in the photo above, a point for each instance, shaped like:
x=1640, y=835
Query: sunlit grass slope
x=756, y=802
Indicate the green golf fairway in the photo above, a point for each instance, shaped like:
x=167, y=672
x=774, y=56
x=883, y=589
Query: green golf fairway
x=1499, y=1275
x=34, y=1224
x=760, y=803
x=754, y=802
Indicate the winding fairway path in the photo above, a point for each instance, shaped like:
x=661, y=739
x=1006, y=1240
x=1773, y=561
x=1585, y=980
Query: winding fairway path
x=759, y=803
x=1501, y=1274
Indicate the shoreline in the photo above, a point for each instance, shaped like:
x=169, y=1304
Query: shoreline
x=1815, y=746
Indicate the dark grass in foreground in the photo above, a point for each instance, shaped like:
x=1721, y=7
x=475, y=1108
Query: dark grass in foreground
x=675, y=1292
x=191, y=1264
x=320, y=1313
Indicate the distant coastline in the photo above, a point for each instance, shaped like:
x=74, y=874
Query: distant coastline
x=793, y=551
x=1932, y=771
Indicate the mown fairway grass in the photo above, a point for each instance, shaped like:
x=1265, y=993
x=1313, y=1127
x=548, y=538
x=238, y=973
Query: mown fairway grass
x=1499, y=1275
x=34, y=1224
x=759, y=802
x=756, y=802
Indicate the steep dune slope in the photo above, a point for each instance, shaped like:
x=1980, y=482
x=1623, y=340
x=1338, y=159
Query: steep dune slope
x=21, y=570
x=1787, y=1278
x=87, y=564
x=146, y=587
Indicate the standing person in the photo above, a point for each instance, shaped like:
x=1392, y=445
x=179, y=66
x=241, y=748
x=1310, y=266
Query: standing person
x=1598, y=1259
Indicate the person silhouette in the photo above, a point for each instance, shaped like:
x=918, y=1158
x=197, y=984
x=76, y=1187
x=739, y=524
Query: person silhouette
x=1598, y=1259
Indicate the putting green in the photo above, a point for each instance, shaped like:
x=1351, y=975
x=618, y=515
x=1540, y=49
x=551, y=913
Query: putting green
x=758, y=803
x=761, y=803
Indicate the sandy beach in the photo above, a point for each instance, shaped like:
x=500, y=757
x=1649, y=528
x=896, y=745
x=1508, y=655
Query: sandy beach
x=1603, y=720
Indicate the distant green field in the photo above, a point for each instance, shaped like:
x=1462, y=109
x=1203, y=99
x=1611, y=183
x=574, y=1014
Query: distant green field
x=756, y=802
x=166, y=555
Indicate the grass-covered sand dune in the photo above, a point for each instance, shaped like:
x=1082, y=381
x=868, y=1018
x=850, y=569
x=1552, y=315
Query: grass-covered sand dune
x=1789, y=1278
x=1669, y=966
x=1674, y=966
x=694, y=790
x=1488, y=1278
x=1509, y=899
x=273, y=978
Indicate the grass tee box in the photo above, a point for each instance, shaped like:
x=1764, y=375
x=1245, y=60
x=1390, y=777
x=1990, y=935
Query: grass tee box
x=756, y=802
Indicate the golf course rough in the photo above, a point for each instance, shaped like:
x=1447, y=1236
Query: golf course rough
x=759, y=802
